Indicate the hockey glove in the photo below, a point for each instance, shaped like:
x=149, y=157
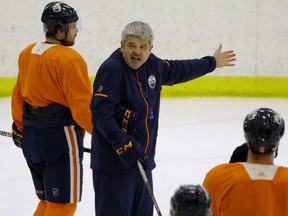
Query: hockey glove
x=16, y=136
x=129, y=151
x=126, y=119
x=239, y=154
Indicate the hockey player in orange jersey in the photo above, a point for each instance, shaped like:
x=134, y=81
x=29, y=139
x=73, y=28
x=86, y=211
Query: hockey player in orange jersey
x=257, y=187
x=50, y=109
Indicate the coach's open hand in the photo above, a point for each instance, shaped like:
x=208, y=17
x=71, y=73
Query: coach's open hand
x=226, y=58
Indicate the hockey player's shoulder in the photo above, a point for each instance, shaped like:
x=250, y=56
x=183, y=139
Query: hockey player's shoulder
x=28, y=48
x=66, y=50
x=64, y=54
x=225, y=168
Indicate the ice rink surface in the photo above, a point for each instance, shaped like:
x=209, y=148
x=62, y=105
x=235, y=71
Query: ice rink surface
x=194, y=135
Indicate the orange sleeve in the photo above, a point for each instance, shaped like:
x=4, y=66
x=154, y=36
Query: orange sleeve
x=16, y=106
x=218, y=183
x=76, y=86
x=17, y=98
x=211, y=186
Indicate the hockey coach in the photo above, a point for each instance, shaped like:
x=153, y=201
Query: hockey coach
x=133, y=77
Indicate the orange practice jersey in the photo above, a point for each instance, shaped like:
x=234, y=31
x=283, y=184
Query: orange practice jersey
x=246, y=189
x=50, y=73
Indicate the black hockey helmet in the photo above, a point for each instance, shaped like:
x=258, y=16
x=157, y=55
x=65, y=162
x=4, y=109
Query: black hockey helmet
x=263, y=129
x=190, y=200
x=58, y=14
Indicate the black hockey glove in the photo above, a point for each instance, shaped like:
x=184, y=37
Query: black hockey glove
x=129, y=152
x=16, y=136
x=239, y=154
x=126, y=119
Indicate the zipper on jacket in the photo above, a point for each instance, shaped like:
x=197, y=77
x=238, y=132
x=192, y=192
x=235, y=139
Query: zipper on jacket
x=147, y=111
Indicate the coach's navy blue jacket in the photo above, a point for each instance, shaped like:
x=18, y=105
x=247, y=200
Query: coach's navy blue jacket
x=117, y=83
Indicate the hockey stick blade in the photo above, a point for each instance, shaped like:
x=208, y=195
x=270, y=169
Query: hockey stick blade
x=148, y=186
x=8, y=134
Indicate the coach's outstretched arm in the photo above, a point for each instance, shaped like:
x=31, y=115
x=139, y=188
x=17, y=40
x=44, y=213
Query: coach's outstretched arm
x=226, y=58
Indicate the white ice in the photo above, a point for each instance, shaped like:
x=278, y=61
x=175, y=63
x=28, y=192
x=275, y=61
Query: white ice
x=194, y=135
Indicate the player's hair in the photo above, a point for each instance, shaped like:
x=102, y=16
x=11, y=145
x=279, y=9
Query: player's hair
x=138, y=29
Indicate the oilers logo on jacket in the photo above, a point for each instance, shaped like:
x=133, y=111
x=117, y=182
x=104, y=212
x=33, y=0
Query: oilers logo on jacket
x=116, y=83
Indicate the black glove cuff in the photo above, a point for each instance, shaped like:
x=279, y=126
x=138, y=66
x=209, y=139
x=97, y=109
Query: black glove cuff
x=16, y=136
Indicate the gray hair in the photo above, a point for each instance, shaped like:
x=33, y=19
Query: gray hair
x=138, y=29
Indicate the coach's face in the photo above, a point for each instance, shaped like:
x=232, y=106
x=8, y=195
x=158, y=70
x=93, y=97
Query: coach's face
x=135, y=51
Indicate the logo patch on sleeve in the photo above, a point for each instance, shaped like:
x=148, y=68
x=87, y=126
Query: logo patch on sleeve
x=100, y=88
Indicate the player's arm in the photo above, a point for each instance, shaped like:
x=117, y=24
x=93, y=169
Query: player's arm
x=17, y=105
x=17, y=111
x=77, y=89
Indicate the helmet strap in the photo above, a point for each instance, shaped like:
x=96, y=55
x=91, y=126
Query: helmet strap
x=276, y=153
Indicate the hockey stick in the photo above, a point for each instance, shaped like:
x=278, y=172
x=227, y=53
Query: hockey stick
x=8, y=134
x=148, y=186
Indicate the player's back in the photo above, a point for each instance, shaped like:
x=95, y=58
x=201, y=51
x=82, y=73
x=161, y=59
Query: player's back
x=248, y=189
x=45, y=70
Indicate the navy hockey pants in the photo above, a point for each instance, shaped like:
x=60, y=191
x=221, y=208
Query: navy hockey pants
x=54, y=156
x=122, y=194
